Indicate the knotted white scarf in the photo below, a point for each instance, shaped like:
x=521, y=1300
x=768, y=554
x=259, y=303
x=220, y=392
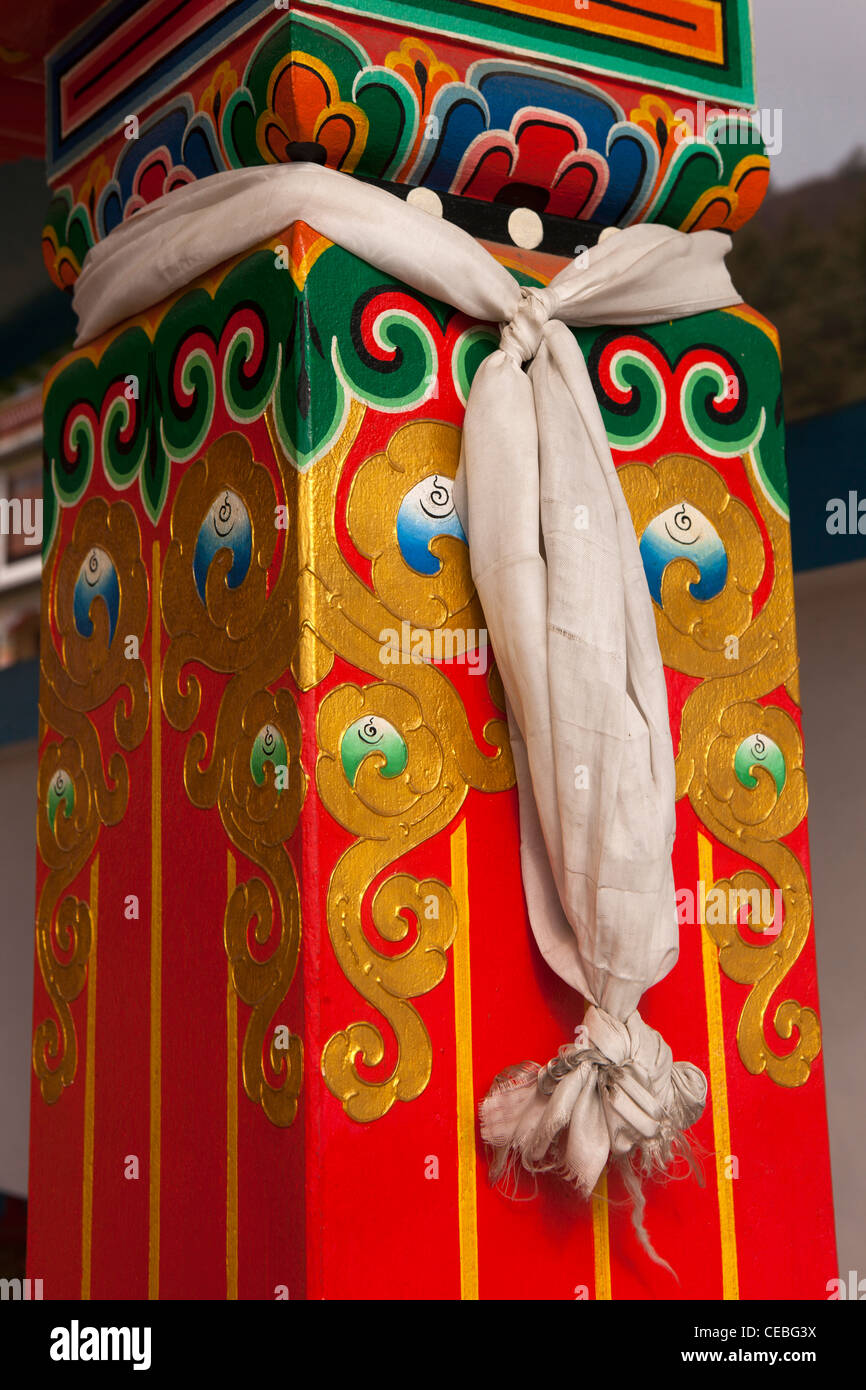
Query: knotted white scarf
x=556, y=562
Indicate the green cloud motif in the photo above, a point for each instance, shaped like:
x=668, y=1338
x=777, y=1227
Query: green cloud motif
x=373, y=734
x=759, y=751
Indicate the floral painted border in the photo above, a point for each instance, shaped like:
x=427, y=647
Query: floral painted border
x=506, y=132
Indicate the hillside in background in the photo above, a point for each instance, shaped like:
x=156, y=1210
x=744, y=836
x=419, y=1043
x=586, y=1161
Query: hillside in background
x=802, y=262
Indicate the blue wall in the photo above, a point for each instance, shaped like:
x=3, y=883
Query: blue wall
x=826, y=459
x=19, y=702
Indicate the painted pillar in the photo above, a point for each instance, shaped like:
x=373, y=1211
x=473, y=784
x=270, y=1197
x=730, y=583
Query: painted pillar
x=281, y=939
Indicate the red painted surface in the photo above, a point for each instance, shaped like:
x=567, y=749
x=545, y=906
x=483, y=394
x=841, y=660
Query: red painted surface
x=331, y=1208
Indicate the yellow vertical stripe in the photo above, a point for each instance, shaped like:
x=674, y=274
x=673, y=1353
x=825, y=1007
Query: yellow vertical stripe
x=718, y=1081
x=231, y=1114
x=601, y=1240
x=89, y=1072
x=466, y=1189
x=155, y=927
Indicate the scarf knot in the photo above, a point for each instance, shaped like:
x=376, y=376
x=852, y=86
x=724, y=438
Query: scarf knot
x=521, y=337
x=614, y=1092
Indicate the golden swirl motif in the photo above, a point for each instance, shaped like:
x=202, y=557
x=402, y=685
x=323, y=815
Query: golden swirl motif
x=243, y=631
x=388, y=815
x=415, y=452
x=91, y=670
x=401, y=809
x=695, y=638
x=692, y=631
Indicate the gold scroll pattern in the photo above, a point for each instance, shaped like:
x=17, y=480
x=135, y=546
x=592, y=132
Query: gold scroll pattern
x=389, y=813
x=250, y=765
x=96, y=590
x=720, y=715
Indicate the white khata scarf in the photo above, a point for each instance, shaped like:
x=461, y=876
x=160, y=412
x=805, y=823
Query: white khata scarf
x=556, y=562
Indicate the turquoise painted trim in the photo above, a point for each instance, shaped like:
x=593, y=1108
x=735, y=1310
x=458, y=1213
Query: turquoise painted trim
x=519, y=36
x=528, y=37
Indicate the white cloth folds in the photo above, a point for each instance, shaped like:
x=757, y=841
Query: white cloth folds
x=616, y=1089
x=556, y=561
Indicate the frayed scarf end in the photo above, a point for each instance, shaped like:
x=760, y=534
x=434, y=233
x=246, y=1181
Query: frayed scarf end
x=584, y=1112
